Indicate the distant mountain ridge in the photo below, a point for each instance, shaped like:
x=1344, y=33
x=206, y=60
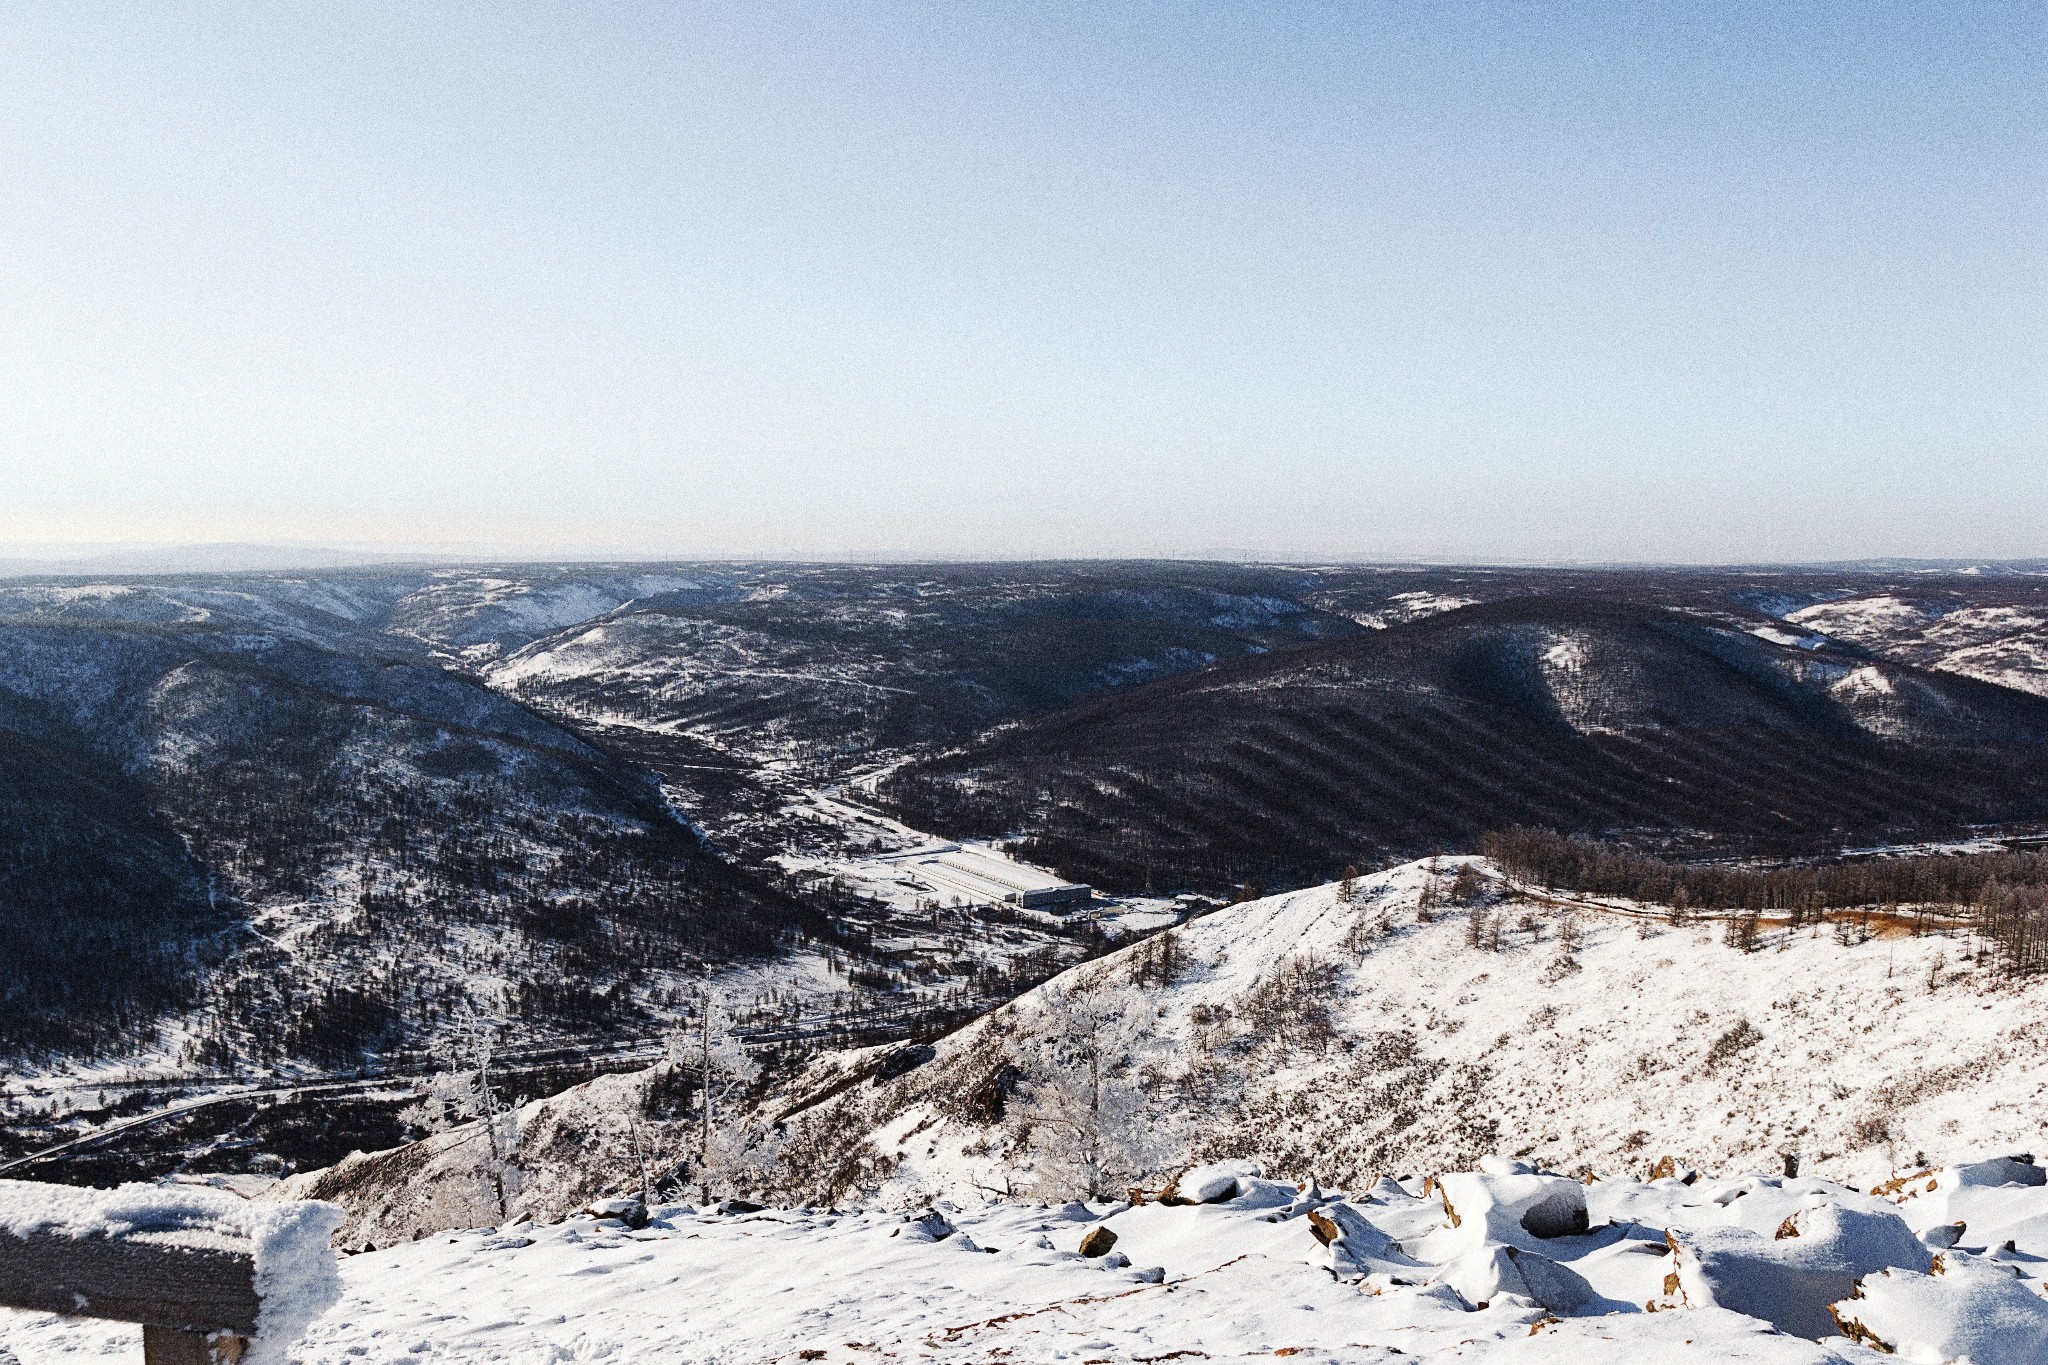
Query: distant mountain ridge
x=217, y=558
x=1580, y=714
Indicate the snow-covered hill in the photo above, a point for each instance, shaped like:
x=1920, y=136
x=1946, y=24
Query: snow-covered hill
x=299, y=854
x=1437, y=1116
x=818, y=661
x=1344, y=1037
x=287, y=816
x=1998, y=642
x=1577, y=714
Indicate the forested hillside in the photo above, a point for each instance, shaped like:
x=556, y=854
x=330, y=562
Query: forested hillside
x=1570, y=713
x=320, y=853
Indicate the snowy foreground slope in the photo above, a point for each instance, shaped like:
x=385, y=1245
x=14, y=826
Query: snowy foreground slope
x=1506, y=1265
x=1344, y=1063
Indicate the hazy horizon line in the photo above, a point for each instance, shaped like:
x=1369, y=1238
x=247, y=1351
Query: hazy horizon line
x=151, y=559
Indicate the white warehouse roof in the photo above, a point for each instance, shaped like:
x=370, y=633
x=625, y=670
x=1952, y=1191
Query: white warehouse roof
x=976, y=876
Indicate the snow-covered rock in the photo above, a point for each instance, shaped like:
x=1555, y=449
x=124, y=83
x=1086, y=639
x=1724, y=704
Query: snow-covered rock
x=1240, y=1279
x=1523, y=1209
x=1972, y=1311
x=1212, y=1183
x=1790, y=1279
x=1245, y=1278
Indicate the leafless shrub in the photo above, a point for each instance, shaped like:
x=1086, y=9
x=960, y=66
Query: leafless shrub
x=1743, y=932
x=1160, y=961
x=1364, y=930
x=1741, y=1037
x=1291, y=1007
x=1468, y=886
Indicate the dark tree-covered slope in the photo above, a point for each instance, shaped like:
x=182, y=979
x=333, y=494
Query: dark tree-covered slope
x=1572, y=713
x=321, y=853
x=104, y=919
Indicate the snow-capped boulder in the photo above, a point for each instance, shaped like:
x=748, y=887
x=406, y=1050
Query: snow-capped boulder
x=1667, y=1168
x=1557, y=1287
x=1991, y=1173
x=1282, y=1198
x=1996, y=1200
x=1482, y=1275
x=1357, y=1247
x=631, y=1212
x=1973, y=1310
x=930, y=1226
x=1998, y=1171
x=1210, y=1184
x=1485, y=1274
x=1789, y=1280
x=1521, y=1209
x=1942, y=1236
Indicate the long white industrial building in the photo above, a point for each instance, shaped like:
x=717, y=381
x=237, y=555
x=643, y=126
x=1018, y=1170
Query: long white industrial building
x=980, y=879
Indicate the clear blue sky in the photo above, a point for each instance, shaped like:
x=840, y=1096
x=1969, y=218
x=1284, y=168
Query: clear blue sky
x=1575, y=281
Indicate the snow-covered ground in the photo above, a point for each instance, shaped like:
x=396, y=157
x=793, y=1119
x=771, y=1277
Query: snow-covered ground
x=1349, y=1035
x=1503, y=1264
x=1341, y=1058
x=2002, y=644
x=1346, y=1037
x=1403, y=607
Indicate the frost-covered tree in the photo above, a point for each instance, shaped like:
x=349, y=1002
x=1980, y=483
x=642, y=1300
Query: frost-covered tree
x=450, y=1099
x=708, y=1048
x=1084, y=1110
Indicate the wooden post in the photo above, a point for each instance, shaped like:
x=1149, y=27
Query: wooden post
x=193, y=1292
x=169, y=1346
